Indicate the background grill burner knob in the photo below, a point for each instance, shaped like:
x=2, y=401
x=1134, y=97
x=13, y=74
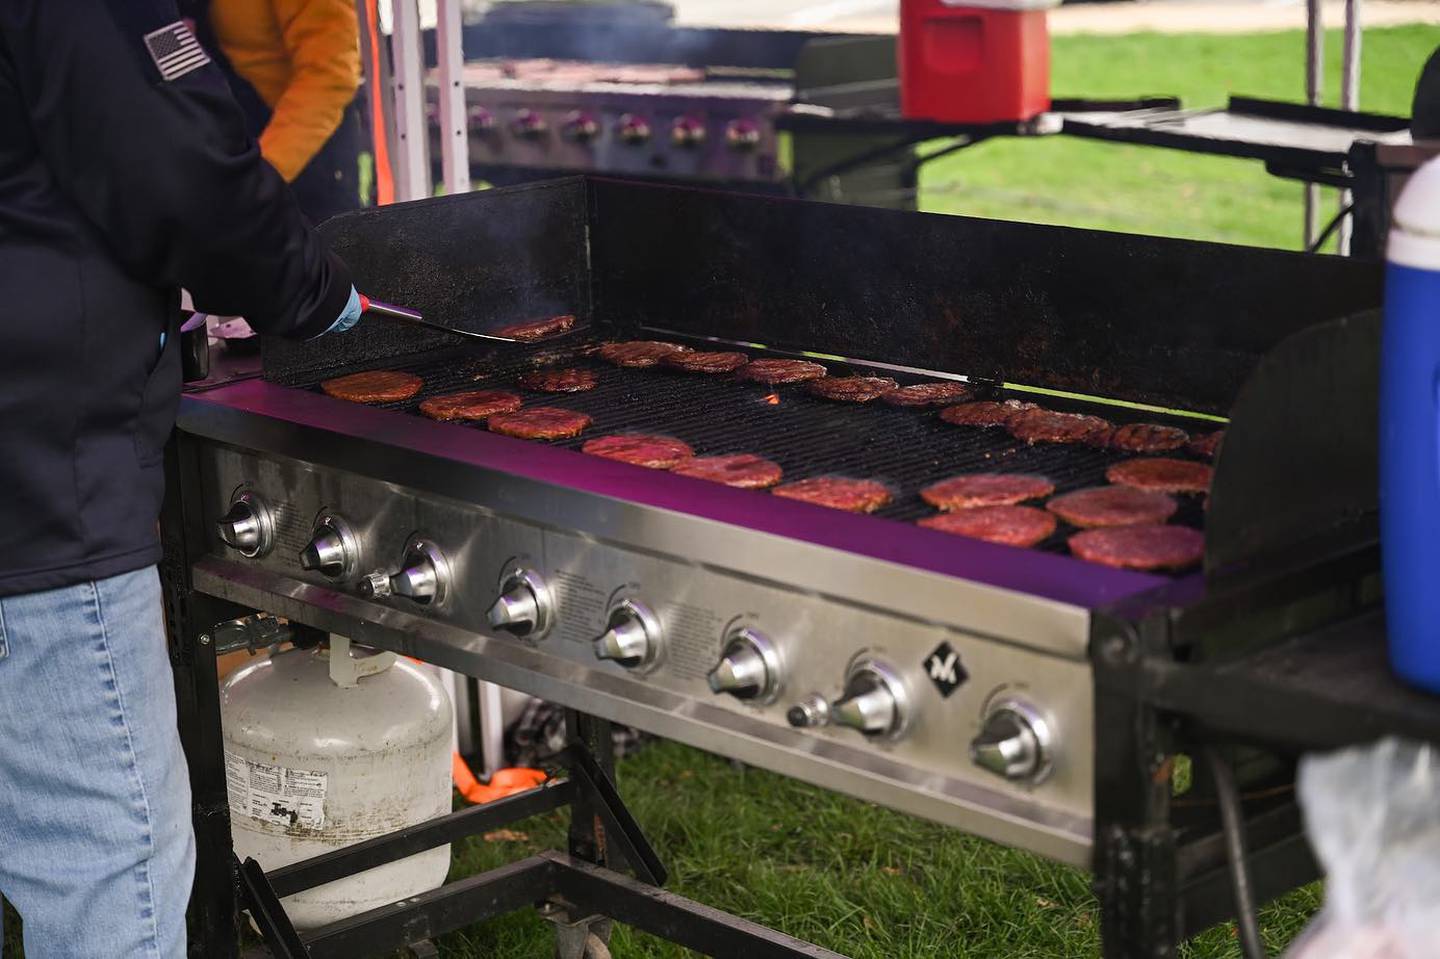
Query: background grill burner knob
x=247, y=526
x=687, y=132
x=749, y=667
x=633, y=129
x=333, y=550
x=523, y=608
x=424, y=576
x=528, y=125
x=581, y=127
x=742, y=134
x=632, y=636
x=875, y=701
x=1015, y=742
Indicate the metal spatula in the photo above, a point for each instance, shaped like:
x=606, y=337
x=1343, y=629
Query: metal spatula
x=405, y=315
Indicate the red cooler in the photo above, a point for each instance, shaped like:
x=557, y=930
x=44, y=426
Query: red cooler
x=969, y=62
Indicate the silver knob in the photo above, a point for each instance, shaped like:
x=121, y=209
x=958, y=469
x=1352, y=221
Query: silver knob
x=813, y=710
x=333, y=549
x=248, y=525
x=1014, y=742
x=376, y=584
x=875, y=701
x=424, y=575
x=749, y=667
x=523, y=607
x=632, y=636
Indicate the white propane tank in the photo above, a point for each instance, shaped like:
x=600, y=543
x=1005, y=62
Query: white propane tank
x=324, y=749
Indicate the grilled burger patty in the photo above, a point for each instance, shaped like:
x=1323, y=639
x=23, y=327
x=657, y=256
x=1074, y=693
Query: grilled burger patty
x=1140, y=547
x=559, y=381
x=742, y=470
x=639, y=353
x=374, y=386
x=531, y=330
x=852, y=389
x=698, y=362
x=1048, y=426
x=656, y=452
x=1148, y=438
x=1112, y=506
x=986, y=489
x=470, y=405
x=776, y=372
x=1162, y=474
x=1207, y=444
x=855, y=496
x=539, y=423
x=1007, y=525
x=928, y=394
x=986, y=413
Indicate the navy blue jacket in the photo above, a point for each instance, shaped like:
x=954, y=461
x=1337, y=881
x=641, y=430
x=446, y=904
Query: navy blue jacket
x=125, y=174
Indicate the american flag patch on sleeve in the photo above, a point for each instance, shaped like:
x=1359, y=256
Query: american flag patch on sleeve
x=175, y=50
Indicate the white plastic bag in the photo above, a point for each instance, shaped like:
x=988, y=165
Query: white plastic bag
x=1372, y=815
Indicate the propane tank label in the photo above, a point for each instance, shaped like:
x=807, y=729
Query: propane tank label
x=292, y=798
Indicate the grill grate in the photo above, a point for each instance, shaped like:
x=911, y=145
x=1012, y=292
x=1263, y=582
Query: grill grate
x=905, y=448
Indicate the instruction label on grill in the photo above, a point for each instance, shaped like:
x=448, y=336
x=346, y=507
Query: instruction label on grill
x=275, y=794
x=694, y=634
x=582, y=606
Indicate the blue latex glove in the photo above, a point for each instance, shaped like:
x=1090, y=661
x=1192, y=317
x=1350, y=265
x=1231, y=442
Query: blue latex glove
x=348, y=316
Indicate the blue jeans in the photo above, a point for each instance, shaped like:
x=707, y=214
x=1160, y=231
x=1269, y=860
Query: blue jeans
x=96, y=848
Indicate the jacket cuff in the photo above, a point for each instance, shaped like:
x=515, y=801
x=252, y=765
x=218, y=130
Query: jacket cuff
x=332, y=302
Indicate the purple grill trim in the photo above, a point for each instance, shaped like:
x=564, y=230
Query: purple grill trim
x=1055, y=577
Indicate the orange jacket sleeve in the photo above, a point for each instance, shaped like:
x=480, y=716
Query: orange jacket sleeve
x=322, y=38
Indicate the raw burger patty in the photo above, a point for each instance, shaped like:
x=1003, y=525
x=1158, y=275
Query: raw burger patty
x=776, y=372
x=1148, y=438
x=1007, y=525
x=745, y=470
x=539, y=423
x=1162, y=474
x=1140, y=547
x=928, y=394
x=375, y=386
x=985, y=412
x=639, y=353
x=559, y=381
x=1111, y=506
x=532, y=330
x=986, y=489
x=1207, y=444
x=696, y=362
x=852, y=389
x=656, y=452
x=470, y=405
x=1047, y=426
x=856, y=496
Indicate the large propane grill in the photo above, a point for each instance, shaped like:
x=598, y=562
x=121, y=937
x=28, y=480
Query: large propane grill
x=905, y=448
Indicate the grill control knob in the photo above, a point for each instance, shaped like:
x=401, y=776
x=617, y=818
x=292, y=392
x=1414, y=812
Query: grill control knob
x=424, y=575
x=632, y=636
x=248, y=525
x=813, y=710
x=875, y=701
x=1015, y=742
x=523, y=607
x=528, y=125
x=580, y=127
x=687, y=132
x=749, y=667
x=742, y=135
x=632, y=129
x=333, y=550
x=481, y=119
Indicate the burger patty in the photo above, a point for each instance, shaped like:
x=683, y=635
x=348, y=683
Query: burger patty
x=1048, y=426
x=470, y=405
x=374, y=386
x=697, y=362
x=639, y=353
x=776, y=372
x=855, y=496
x=539, y=423
x=852, y=389
x=743, y=470
x=1112, y=506
x=559, y=381
x=531, y=330
x=1148, y=438
x=986, y=489
x=1007, y=525
x=1207, y=444
x=928, y=394
x=656, y=452
x=985, y=413
x=1140, y=547
x=1162, y=474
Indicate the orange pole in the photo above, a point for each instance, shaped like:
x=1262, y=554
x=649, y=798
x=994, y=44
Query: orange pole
x=379, y=135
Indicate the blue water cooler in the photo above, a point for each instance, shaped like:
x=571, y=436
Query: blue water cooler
x=1410, y=432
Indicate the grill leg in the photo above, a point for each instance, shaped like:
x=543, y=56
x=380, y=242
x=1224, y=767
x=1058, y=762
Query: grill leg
x=587, y=837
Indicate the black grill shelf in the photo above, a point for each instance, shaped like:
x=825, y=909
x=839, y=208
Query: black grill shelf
x=906, y=448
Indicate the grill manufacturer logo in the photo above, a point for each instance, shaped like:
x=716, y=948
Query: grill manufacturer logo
x=945, y=670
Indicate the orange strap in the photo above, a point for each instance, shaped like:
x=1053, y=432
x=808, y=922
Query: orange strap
x=379, y=134
x=505, y=782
